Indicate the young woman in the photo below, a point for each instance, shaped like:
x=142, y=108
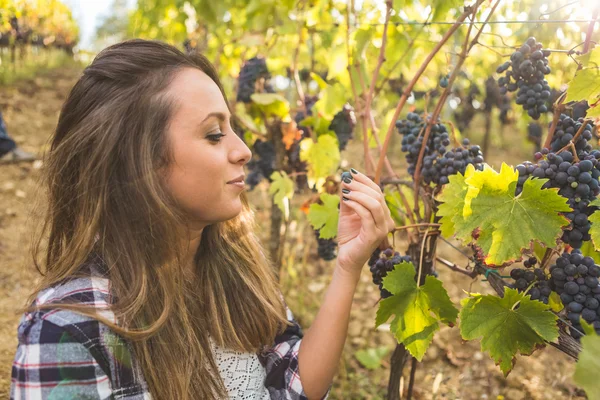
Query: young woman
x=154, y=284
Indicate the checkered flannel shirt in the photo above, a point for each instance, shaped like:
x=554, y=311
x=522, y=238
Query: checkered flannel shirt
x=64, y=355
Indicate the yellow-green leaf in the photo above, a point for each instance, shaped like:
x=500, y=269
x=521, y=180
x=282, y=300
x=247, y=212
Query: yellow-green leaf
x=500, y=223
x=282, y=189
x=324, y=217
x=322, y=157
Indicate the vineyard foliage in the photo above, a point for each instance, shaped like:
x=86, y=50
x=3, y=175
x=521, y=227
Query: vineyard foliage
x=44, y=23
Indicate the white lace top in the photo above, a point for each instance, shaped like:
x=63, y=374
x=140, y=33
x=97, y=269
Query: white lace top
x=242, y=373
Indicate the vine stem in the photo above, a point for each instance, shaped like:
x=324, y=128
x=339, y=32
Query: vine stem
x=411, y=382
x=590, y=31
x=399, y=228
x=467, y=46
x=413, y=82
x=558, y=107
x=471, y=274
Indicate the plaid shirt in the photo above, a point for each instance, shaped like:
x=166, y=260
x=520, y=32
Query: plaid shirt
x=64, y=355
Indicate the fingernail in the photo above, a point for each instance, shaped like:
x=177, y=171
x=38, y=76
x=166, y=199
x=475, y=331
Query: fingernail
x=347, y=180
x=345, y=198
x=345, y=191
x=354, y=171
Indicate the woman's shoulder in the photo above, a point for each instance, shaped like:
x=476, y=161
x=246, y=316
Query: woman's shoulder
x=90, y=287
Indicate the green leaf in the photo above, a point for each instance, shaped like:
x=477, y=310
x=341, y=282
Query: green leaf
x=337, y=61
x=418, y=310
x=595, y=221
x=585, y=86
x=371, y=358
x=332, y=100
x=588, y=364
x=325, y=216
x=362, y=37
x=320, y=81
x=282, y=188
x=502, y=224
x=272, y=104
x=505, y=329
x=322, y=157
x=587, y=249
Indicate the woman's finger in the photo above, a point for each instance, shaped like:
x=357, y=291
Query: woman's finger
x=372, y=205
x=366, y=218
x=362, y=178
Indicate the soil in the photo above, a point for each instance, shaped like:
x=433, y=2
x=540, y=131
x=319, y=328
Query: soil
x=452, y=369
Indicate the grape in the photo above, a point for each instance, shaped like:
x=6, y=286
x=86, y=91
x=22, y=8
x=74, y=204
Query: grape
x=343, y=124
x=571, y=288
x=589, y=315
x=326, y=247
x=254, y=71
x=382, y=262
x=575, y=307
x=592, y=303
x=524, y=73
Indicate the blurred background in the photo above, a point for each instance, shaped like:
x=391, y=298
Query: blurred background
x=319, y=49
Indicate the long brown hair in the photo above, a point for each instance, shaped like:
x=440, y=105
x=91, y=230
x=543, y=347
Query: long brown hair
x=105, y=196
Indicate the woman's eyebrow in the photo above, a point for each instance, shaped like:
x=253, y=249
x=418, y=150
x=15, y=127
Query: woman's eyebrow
x=217, y=114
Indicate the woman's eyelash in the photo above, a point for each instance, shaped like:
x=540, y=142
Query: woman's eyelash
x=218, y=137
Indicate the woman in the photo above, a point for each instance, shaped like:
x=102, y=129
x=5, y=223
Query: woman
x=154, y=282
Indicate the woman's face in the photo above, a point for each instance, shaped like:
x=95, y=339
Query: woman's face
x=206, y=151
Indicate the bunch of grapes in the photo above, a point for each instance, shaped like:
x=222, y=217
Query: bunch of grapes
x=566, y=129
x=343, y=124
x=264, y=166
x=382, y=262
x=438, y=163
x=525, y=71
x=412, y=129
x=576, y=178
x=540, y=285
x=454, y=161
x=254, y=71
x=534, y=135
x=575, y=279
x=309, y=102
x=326, y=247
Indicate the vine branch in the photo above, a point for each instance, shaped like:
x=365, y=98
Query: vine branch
x=413, y=82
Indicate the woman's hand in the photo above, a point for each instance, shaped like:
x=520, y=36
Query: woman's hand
x=365, y=221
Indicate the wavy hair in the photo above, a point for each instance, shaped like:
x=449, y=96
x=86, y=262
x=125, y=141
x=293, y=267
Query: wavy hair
x=106, y=196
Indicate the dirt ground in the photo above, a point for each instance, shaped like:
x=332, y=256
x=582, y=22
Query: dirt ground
x=463, y=372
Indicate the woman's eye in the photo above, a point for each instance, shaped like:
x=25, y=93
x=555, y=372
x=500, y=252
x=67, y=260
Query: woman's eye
x=215, y=138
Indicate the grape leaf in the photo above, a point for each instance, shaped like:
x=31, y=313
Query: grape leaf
x=595, y=228
x=417, y=310
x=323, y=158
x=453, y=202
x=282, y=188
x=333, y=98
x=502, y=224
x=505, y=329
x=588, y=364
x=371, y=358
x=586, y=83
x=325, y=216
